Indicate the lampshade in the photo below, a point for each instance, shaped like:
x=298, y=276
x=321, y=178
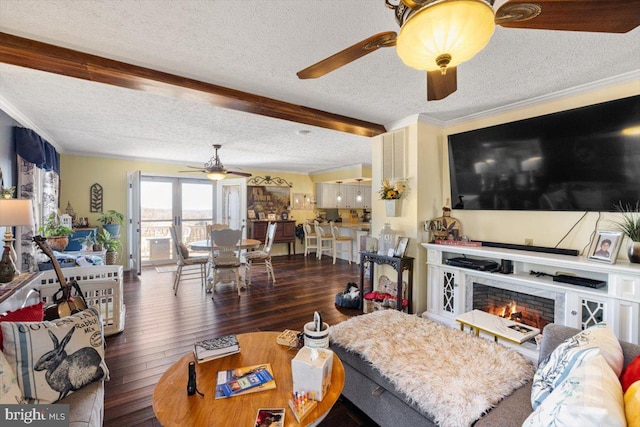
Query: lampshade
x=459, y=28
x=216, y=176
x=16, y=212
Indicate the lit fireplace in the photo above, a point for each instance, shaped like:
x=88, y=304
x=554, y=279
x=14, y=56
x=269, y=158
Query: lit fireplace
x=523, y=308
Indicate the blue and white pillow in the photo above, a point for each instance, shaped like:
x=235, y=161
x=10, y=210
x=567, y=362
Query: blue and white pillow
x=9, y=391
x=52, y=359
x=556, y=367
x=590, y=396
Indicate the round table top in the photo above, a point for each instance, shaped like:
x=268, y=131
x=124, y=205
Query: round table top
x=173, y=407
x=205, y=245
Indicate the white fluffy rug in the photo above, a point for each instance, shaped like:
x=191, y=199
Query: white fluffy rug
x=452, y=375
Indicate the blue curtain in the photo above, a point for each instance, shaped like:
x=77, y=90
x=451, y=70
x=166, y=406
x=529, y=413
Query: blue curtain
x=31, y=147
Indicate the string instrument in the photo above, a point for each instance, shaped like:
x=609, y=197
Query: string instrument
x=64, y=303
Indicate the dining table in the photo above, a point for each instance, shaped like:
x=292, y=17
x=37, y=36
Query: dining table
x=206, y=246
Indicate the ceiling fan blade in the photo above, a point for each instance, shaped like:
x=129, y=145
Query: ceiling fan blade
x=194, y=167
x=609, y=16
x=197, y=170
x=239, y=173
x=440, y=86
x=349, y=54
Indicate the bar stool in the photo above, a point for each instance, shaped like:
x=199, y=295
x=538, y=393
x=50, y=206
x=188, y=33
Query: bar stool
x=322, y=236
x=310, y=239
x=342, y=241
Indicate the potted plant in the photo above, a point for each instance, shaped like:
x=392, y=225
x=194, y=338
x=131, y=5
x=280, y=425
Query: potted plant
x=629, y=224
x=110, y=244
x=57, y=235
x=112, y=220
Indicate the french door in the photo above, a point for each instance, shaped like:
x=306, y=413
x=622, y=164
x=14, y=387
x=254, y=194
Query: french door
x=157, y=202
x=187, y=203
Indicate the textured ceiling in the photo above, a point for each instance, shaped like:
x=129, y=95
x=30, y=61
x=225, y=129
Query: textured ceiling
x=257, y=47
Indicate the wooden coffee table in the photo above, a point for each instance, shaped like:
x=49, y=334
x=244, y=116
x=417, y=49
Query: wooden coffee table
x=173, y=407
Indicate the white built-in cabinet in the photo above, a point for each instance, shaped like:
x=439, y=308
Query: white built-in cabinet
x=327, y=196
x=449, y=288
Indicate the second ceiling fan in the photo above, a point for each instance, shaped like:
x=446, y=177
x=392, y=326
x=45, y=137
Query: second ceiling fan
x=438, y=35
x=214, y=168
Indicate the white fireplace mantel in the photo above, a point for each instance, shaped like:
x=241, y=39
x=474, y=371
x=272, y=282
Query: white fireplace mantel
x=449, y=288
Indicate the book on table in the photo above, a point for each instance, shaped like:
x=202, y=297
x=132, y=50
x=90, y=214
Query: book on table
x=245, y=380
x=214, y=348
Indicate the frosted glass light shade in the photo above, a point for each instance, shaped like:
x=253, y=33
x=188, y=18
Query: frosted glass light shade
x=216, y=176
x=460, y=28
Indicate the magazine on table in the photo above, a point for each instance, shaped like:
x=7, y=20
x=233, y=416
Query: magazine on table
x=245, y=380
x=216, y=347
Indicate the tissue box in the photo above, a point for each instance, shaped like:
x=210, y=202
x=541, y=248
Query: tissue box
x=311, y=369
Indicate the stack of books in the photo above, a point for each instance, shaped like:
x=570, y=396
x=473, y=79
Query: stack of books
x=215, y=348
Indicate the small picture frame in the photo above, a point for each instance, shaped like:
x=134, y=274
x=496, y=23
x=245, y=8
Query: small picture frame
x=605, y=246
x=261, y=216
x=251, y=214
x=271, y=217
x=284, y=216
x=401, y=246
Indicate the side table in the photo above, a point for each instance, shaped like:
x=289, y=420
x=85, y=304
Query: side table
x=399, y=264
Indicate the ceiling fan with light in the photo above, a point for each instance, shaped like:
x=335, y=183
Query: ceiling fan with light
x=214, y=168
x=438, y=35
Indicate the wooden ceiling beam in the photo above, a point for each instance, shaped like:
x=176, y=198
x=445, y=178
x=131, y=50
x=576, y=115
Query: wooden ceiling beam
x=72, y=63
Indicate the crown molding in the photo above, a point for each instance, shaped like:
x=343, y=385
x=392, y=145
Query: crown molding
x=543, y=99
x=19, y=117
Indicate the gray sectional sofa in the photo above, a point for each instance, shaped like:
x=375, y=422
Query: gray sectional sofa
x=376, y=396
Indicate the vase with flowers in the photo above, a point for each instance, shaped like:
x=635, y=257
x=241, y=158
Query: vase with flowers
x=391, y=194
x=629, y=224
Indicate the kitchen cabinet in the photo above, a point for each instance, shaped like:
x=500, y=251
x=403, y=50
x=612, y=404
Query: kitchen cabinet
x=327, y=196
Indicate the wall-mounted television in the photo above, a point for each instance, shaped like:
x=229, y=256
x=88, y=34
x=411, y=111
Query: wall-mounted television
x=585, y=159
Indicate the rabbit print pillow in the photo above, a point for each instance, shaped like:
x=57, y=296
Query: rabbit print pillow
x=52, y=359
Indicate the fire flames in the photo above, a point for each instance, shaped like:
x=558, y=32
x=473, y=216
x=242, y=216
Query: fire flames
x=518, y=314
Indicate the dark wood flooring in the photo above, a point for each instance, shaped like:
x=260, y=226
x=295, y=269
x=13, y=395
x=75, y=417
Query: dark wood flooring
x=160, y=327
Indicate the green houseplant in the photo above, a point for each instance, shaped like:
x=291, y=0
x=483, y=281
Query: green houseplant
x=629, y=224
x=112, y=220
x=57, y=235
x=110, y=244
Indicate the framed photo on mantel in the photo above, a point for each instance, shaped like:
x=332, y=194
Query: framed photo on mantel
x=605, y=246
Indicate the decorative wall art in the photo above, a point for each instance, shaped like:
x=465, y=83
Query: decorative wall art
x=268, y=199
x=303, y=201
x=95, y=198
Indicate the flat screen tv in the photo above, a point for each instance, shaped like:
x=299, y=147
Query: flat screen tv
x=586, y=159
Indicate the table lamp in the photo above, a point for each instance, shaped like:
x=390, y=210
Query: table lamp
x=13, y=213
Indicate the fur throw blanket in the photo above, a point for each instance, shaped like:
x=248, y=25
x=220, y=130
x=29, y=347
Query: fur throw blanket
x=452, y=375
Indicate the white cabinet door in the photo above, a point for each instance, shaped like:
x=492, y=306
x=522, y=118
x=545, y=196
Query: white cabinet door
x=584, y=311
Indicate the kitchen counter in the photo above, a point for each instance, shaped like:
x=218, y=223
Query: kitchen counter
x=362, y=226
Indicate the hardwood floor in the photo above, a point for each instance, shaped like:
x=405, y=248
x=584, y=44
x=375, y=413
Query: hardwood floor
x=161, y=327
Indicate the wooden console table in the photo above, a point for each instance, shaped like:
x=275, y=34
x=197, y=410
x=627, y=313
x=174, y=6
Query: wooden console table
x=398, y=264
x=285, y=232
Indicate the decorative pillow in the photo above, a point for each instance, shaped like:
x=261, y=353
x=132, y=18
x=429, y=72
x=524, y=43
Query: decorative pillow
x=9, y=390
x=32, y=313
x=590, y=396
x=630, y=374
x=54, y=358
x=554, y=369
x=183, y=250
x=632, y=404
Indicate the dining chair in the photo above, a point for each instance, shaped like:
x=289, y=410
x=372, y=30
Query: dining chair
x=183, y=259
x=322, y=238
x=225, y=255
x=262, y=256
x=340, y=242
x=310, y=239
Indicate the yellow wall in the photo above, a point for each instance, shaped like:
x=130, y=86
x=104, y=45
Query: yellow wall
x=343, y=174
x=428, y=171
x=79, y=173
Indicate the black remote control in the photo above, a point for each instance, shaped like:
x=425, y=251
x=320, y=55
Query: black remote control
x=191, y=384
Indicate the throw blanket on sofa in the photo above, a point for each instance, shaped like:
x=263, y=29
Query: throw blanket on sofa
x=454, y=376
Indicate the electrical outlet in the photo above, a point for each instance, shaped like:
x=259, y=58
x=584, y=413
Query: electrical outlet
x=528, y=242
